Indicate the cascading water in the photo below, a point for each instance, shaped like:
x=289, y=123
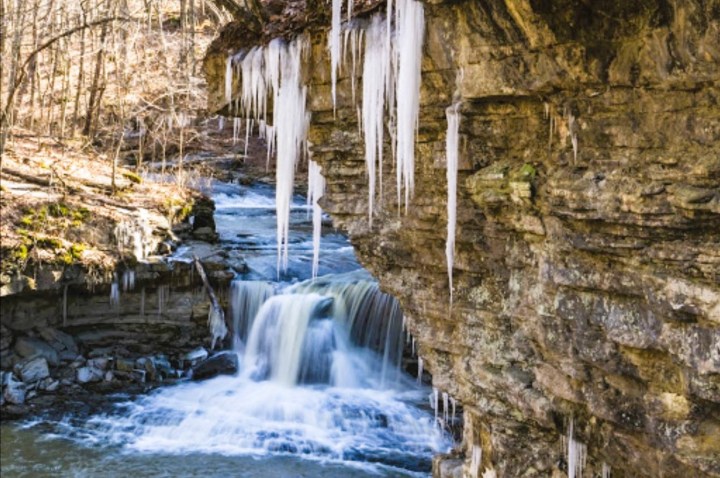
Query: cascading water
x=320, y=391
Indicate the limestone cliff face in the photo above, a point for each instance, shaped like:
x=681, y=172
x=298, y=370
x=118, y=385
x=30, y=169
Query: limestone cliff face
x=587, y=281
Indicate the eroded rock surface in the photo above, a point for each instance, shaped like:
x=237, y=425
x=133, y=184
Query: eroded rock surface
x=587, y=271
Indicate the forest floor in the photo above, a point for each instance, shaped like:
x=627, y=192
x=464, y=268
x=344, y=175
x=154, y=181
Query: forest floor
x=58, y=207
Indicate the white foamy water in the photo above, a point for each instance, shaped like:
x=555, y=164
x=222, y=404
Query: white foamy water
x=319, y=379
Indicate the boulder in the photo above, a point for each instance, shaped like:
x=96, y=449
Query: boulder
x=49, y=384
x=223, y=363
x=15, y=392
x=31, y=347
x=33, y=369
x=99, y=363
x=195, y=356
x=6, y=338
x=89, y=374
x=58, y=340
x=124, y=365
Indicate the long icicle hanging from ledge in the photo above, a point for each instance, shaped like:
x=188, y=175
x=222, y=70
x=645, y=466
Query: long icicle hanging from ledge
x=276, y=69
x=375, y=80
x=410, y=27
x=452, y=141
x=334, y=47
x=392, y=63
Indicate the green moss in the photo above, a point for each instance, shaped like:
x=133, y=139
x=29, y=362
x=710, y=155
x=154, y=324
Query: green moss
x=21, y=253
x=76, y=250
x=132, y=177
x=49, y=243
x=528, y=171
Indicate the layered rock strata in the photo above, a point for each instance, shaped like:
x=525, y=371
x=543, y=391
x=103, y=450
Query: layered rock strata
x=587, y=269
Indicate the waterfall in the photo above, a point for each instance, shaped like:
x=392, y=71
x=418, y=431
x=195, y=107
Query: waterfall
x=276, y=343
x=451, y=154
x=316, y=190
x=410, y=32
x=246, y=298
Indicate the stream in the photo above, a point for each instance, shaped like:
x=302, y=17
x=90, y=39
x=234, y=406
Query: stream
x=320, y=392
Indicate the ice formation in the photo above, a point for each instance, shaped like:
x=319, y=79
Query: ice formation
x=316, y=190
x=451, y=154
x=334, y=47
x=475, y=460
x=605, y=470
x=420, y=371
x=276, y=70
x=393, y=54
x=410, y=32
x=576, y=453
x=376, y=71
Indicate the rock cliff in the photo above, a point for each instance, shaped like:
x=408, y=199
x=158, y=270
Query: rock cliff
x=587, y=271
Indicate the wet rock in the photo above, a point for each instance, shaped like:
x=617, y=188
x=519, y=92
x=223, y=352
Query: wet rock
x=89, y=374
x=205, y=234
x=124, y=365
x=78, y=362
x=58, y=340
x=162, y=366
x=195, y=356
x=49, y=384
x=6, y=338
x=98, y=363
x=33, y=369
x=223, y=363
x=31, y=346
x=15, y=392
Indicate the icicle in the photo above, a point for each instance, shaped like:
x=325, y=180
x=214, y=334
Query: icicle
x=350, y=9
x=475, y=460
x=420, y=371
x=452, y=142
x=375, y=72
x=247, y=137
x=115, y=293
x=446, y=406
x=576, y=452
x=489, y=473
x=128, y=280
x=334, y=47
x=236, y=130
x=216, y=325
x=221, y=123
x=228, y=79
x=413, y=346
x=142, y=302
x=411, y=29
x=572, y=131
x=436, y=397
x=316, y=189
x=454, y=405
x=606, y=470
x=291, y=124
x=65, y=307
